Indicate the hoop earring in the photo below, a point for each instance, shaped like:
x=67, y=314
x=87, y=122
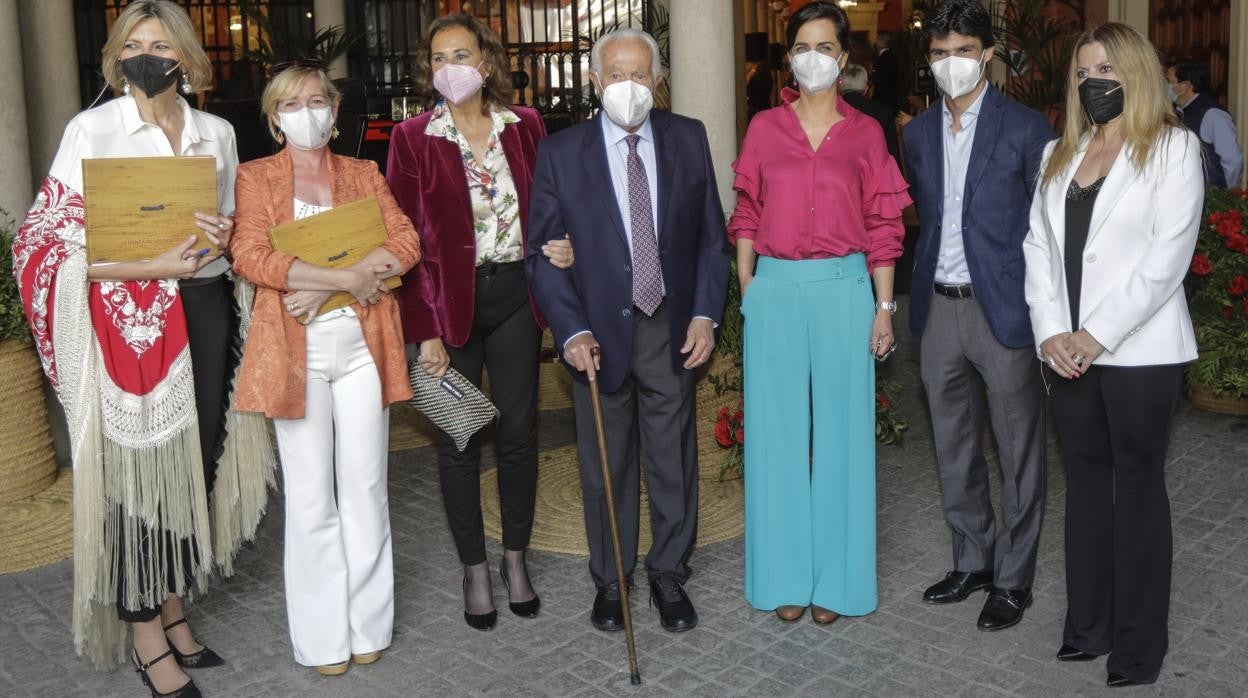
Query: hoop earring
x=186, y=84
x=125, y=87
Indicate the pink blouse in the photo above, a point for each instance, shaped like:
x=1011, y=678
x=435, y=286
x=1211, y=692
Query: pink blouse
x=795, y=203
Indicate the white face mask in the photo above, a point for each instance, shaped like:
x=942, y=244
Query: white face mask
x=1171, y=94
x=816, y=71
x=958, y=75
x=307, y=129
x=627, y=103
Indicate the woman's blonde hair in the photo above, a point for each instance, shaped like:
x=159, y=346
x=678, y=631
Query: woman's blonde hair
x=1147, y=115
x=287, y=84
x=182, y=37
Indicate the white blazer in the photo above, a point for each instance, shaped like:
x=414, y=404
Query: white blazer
x=1139, y=248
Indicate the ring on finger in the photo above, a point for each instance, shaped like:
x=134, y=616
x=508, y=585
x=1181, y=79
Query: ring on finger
x=1078, y=359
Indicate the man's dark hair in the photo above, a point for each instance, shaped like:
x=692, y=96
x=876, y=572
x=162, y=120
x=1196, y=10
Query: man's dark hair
x=965, y=17
x=885, y=38
x=1194, y=72
x=819, y=9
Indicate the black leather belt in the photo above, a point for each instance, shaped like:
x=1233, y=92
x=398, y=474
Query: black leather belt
x=493, y=268
x=956, y=291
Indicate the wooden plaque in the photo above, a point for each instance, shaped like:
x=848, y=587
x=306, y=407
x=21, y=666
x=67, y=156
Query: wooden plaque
x=138, y=208
x=336, y=238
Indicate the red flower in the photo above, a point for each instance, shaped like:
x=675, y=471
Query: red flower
x=1201, y=265
x=741, y=435
x=722, y=414
x=1238, y=285
x=738, y=417
x=723, y=434
x=1237, y=243
x=882, y=400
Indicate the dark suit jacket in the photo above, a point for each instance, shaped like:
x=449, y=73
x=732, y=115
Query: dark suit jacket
x=426, y=174
x=573, y=195
x=880, y=112
x=886, y=76
x=1000, y=181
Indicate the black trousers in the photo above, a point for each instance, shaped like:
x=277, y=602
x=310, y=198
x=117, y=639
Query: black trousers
x=505, y=341
x=653, y=410
x=1113, y=424
x=212, y=335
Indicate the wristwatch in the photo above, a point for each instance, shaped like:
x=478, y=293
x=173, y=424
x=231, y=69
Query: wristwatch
x=890, y=306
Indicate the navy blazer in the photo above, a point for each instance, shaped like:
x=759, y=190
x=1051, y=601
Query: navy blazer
x=573, y=195
x=1000, y=182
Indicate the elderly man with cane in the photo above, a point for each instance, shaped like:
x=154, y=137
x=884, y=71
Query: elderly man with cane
x=635, y=191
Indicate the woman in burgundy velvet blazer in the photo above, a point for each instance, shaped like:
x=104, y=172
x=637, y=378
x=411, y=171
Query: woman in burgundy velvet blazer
x=462, y=172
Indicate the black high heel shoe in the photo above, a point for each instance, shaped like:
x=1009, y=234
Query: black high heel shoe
x=1069, y=653
x=524, y=609
x=187, y=690
x=478, y=621
x=202, y=659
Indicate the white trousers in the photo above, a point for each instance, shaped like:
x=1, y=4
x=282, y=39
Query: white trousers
x=338, y=566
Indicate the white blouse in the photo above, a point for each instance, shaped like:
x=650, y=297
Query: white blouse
x=116, y=130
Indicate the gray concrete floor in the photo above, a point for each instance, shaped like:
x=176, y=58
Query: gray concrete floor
x=906, y=648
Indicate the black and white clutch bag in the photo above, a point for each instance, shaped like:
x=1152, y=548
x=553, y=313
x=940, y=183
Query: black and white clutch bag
x=451, y=402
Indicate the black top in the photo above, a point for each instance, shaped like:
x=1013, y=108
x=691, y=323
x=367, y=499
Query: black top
x=1079, y=204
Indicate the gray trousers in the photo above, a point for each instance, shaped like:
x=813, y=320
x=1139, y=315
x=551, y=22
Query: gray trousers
x=966, y=372
x=656, y=405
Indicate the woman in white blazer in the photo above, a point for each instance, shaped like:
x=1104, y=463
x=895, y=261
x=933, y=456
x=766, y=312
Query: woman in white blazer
x=1113, y=227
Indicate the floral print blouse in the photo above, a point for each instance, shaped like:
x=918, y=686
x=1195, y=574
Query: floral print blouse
x=495, y=205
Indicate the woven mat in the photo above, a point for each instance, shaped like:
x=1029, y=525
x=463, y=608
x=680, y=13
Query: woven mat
x=559, y=523
x=38, y=530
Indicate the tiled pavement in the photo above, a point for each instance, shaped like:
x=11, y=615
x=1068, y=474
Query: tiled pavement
x=906, y=648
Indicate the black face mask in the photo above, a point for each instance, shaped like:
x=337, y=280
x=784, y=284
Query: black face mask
x=1101, y=99
x=150, y=74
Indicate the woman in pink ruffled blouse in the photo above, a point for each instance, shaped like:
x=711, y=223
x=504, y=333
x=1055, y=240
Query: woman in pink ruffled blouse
x=819, y=210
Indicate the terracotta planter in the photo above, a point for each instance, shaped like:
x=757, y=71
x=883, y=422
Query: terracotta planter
x=1202, y=398
x=27, y=462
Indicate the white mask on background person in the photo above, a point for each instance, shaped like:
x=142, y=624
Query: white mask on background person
x=958, y=75
x=1171, y=94
x=627, y=103
x=307, y=129
x=816, y=71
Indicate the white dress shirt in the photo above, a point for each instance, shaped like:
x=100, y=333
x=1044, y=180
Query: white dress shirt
x=115, y=129
x=951, y=265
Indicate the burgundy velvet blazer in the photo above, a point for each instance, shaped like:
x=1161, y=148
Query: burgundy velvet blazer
x=426, y=174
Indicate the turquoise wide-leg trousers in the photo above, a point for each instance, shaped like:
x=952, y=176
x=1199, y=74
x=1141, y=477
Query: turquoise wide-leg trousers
x=810, y=435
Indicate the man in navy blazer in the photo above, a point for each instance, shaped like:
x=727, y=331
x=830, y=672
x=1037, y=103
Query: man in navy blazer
x=635, y=191
x=973, y=159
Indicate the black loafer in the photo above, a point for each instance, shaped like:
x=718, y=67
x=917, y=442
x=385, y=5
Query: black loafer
x=956, y=586
x=1069, y=653
x=1004, y=608
x=676, y=613
x=1120, y=681
x=608, y=612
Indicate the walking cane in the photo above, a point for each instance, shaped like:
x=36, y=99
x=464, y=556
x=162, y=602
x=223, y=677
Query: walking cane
x=635, y=679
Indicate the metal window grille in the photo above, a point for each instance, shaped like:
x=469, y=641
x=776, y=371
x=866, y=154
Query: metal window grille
x=224, y=30
x=548, y=42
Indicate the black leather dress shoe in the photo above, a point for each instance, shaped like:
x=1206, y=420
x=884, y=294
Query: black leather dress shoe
x=676, y=613
x=608, y=613
x=1069, y=653
x=956, y=586
x=1119, y=681
x=1004, y=608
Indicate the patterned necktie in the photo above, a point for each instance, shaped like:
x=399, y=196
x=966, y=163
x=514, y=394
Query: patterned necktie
x=647, y=275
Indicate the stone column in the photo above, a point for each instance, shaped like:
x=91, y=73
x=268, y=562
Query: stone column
x=704, y=81
x=1133, y=12
x=1237, y=75
x=50, y=66
x=332, y=13
x=16, y=193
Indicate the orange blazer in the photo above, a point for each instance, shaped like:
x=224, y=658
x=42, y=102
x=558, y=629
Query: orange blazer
x=273, y=375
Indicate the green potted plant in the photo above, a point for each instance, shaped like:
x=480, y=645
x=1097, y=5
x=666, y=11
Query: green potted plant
x=27, y=462
x=1217, y=286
